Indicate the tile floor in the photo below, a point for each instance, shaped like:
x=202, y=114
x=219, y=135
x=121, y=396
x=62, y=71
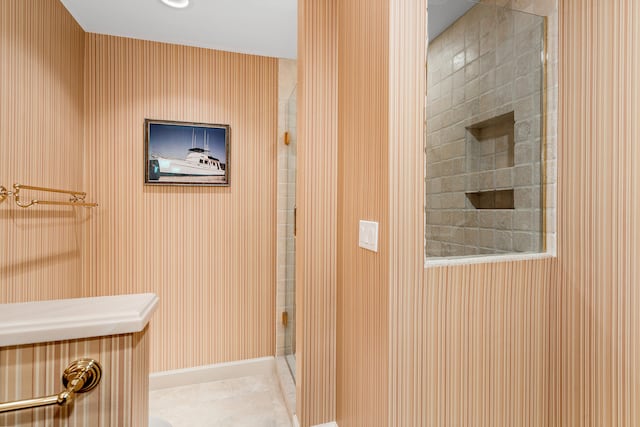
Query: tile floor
x=254, y=401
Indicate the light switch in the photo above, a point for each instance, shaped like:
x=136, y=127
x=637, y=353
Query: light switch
x=368, y=236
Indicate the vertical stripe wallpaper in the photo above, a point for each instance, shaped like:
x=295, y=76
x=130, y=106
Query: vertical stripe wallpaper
x=485, y=344
x=121, y=398
x=207, y=252
x=41, y=144
x=363, y=192
x=405, y=157
x=540, y=342
x=554, y=342
x=596, y=334
x=317, y=215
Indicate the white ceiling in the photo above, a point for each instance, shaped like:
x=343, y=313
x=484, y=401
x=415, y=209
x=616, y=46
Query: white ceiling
x=443, y=13
x=259, y=27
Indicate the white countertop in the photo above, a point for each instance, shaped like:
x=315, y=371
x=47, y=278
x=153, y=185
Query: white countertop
x=57, y=320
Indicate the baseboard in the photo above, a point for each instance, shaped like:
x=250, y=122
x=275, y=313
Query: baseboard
x=296, y=423
x=218, y=372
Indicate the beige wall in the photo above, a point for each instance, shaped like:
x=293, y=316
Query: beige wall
x=41, y=143
x=540, y=342
x=578, y=365
x=207, y=252
x=363, y=194
x=491, y=322
x=120, y=399
x=317, y=201
x=361, y=126
x=446, y=336
x=596, y=335
x=485, y=344
x=72, y=110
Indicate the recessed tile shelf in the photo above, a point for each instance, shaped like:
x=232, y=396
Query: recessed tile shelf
x=491, y=143
x=500, y=122
x=495, y=199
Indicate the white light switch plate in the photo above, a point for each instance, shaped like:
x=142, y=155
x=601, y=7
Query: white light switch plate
x=368, y=236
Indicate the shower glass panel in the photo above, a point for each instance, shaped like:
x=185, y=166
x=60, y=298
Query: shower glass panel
x=485, y=133
x=290, y=295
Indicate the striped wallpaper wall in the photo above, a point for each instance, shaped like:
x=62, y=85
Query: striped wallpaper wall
x=484, y=330
x=121, y=398
x=577, y=365
x=484, y=340
x=41, y=111
x=42, y=143
x=554, y=342
x=541, y=342
x=72, y=108
x=209, y=253
x=527, y=343
x=407, y=86
x=596, y=333
x=379, y=127
x=317, y=215
x=363, y=193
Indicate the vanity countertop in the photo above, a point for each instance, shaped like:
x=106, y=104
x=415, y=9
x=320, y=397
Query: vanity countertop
x=57, y=320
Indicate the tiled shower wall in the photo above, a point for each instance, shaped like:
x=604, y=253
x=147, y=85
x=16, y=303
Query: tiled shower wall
x=485, y=124
x=287, y=77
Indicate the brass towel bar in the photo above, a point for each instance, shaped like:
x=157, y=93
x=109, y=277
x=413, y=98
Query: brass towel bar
x=77, y=197
x=81, y=376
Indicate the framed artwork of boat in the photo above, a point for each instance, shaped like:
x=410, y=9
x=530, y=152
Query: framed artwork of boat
x=181, y=153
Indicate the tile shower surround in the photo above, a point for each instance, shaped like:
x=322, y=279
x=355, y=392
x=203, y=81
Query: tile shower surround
x=485, y=75
x=287, y=78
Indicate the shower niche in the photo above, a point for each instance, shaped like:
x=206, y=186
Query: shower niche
x=490, y=144
x=492, y=199
x=490, y=147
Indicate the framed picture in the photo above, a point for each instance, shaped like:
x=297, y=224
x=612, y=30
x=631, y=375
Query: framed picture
x=180, y=153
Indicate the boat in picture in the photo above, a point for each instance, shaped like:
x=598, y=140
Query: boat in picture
x=198, y=162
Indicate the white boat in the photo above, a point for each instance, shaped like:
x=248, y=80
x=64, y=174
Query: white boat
x=197, y=163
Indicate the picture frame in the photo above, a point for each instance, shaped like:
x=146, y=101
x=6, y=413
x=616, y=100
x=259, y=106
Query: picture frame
x=186, y=153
